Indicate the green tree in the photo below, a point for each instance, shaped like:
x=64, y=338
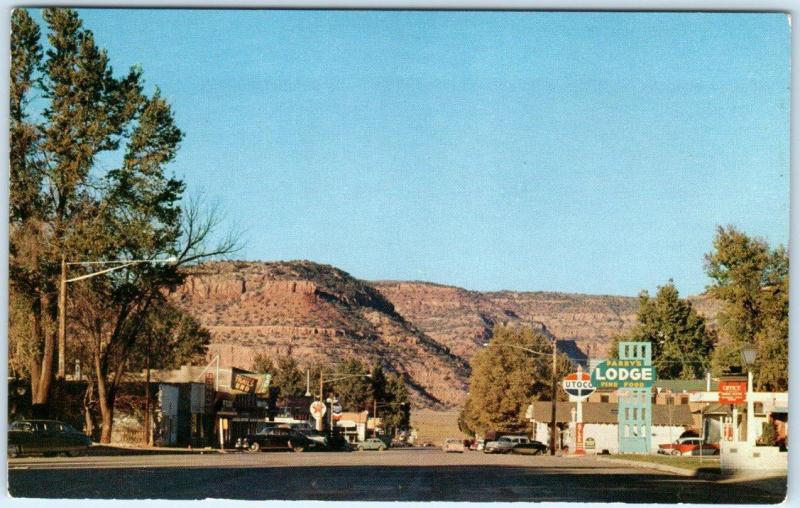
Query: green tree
x=288, y=376
x=263, y=364
x=753, y=281
x=505, y=379
x=681, y=342
x=66, y=207
x=355, y=391
x=397, y=410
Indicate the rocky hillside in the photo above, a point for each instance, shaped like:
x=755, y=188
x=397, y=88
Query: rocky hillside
x=426, y=332
x=316, y=313
x=463, y=320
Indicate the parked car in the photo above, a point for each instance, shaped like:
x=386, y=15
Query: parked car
x=477, y=445
x=504, y=444
x=275, y=438
x=453, y=445
x=372, y=443
x=46, y=437
x=530, y=448
x=688, y=446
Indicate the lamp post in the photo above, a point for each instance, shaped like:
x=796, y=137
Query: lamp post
x=749, y=358
x=62, y=297
x=553, y=384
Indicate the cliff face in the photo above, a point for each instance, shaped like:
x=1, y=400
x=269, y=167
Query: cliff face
x=425, y=332
x=462, y=320
x=316, y=313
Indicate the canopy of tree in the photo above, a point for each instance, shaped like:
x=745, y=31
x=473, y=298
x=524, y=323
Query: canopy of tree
x=505, y=379
x=681, y=342
x=753, y=281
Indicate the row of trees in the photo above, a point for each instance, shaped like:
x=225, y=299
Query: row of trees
x=385, y=393
x=89, y=181
x=751, y=282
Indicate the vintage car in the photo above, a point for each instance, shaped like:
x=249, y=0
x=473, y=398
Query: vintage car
x=453, y=445
x=45, y=437
x=688, y=446
x=531, y=448
x=504, y=444
x=372, y=443
x=276, y=438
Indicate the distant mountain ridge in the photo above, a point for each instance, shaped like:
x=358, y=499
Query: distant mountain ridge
x=426, y=332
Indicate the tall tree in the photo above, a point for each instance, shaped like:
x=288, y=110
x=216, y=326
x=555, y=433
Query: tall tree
x=505, y=379
x=397, y=412
x=753, y=281
x=355, y=390
x=681, y=342
x=288, y=376
x=65, y=207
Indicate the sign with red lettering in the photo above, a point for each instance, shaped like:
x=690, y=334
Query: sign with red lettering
x=732, y=391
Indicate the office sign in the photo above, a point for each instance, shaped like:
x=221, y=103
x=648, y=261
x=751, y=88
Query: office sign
x=620, y=373
x=732, y=391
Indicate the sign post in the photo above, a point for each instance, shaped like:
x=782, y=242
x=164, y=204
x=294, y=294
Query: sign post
x=632, y=375
x=578, y=386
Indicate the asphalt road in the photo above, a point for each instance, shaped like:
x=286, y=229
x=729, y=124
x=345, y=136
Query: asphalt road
x=393, y=475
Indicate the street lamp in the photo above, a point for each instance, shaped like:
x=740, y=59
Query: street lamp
x=62, y=296
x=749, y=358
x=554, y=384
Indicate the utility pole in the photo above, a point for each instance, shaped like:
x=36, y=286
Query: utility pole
x=553, y=405
x=62, y=321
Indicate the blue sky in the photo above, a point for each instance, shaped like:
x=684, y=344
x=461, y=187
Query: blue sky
x=580, y=152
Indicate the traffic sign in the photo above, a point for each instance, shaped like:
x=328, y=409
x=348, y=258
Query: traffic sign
x=317, y=409
x=623, y=374
x=578, y=384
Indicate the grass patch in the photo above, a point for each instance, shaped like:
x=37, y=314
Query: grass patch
x=689, y=463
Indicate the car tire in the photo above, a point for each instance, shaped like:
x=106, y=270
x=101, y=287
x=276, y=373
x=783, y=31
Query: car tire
x=76, y=453
x=254, y=447
x=675, y=453
x=14, y=451
x=296, y=449
x=360, y=449
x=381, y=448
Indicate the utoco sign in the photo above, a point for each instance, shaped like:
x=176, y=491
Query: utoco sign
x=578, y=384
x=623, y=374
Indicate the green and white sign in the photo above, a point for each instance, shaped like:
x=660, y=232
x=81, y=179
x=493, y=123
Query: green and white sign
x=619, y=373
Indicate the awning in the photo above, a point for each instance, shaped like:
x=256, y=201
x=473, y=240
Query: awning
x=780, y=410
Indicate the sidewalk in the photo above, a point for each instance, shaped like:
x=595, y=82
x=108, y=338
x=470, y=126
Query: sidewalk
x=128, y=449
x=774, y=482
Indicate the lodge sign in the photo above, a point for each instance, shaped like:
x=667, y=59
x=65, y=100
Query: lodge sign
x=623, y=374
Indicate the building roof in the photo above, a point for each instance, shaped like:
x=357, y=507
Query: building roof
x=606, y=412
x=685, y=385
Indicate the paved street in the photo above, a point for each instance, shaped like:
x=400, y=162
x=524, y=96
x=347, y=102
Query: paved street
x=411, y=475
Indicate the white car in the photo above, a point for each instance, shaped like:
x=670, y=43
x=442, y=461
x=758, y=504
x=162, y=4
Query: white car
x=453, y=445
x=504, y=444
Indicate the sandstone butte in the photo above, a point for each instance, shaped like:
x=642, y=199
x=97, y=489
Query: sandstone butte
x=425, y=332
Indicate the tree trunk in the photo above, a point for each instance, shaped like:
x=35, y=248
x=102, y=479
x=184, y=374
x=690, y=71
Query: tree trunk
x=87, y=409
x=103, y=399
x=42, y=368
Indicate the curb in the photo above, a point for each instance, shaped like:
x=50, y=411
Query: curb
x=659, y=467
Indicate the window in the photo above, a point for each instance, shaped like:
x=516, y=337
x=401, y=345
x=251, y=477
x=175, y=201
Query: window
x=670, y=401
x=758, y=408
x=604, y=398
x=684, y=399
